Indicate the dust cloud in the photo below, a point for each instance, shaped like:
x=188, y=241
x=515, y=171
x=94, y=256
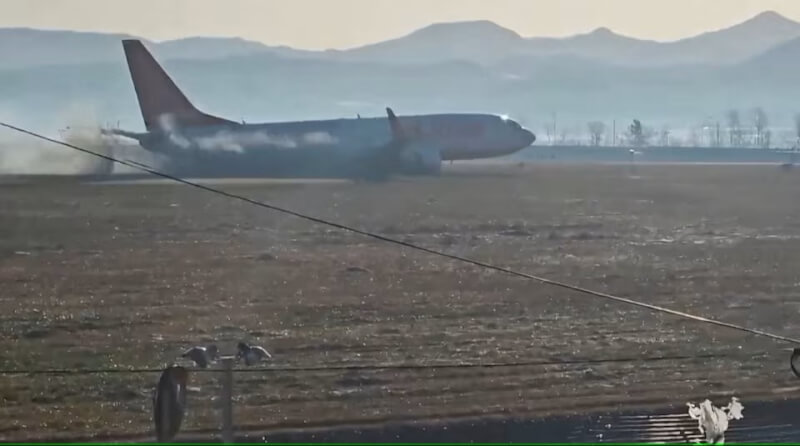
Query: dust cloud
x=25, y=155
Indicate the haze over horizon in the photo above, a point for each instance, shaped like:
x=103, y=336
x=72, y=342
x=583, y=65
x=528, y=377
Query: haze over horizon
x=319, y=24
x=467, y=63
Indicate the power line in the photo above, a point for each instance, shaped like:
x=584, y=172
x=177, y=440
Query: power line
x=383, y=238
x=379, y=367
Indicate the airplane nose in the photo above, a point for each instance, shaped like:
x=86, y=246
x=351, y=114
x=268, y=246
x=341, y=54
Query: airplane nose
x=528, y=137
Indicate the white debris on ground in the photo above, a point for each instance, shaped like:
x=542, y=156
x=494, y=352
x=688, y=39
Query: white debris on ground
x=713, y=421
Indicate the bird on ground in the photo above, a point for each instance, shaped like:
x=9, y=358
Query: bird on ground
x=251, y=353
x=202, y=356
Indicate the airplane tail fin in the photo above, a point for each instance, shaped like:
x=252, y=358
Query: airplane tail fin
x=158, y=95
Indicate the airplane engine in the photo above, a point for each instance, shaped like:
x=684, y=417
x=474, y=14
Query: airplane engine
x=421, y=160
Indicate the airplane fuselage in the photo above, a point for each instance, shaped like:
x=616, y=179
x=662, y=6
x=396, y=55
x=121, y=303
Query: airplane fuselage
x=196, y=143
x=332, y=147
x=457, y=136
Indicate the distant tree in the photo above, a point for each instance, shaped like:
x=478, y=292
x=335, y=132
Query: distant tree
x=663, y=138
x=797, y=127
x=693, y=139
x=562, y=140
x=711, y=130
x=648, y=134
x=635, y=131
x=760, y=122
x=638, y=134
x=596, y=130
x=734, y=128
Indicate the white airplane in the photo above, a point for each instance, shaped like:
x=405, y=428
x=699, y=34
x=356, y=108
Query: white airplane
x=199, y=144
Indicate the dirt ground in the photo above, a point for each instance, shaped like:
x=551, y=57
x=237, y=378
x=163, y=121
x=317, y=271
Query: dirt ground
x=120, y=275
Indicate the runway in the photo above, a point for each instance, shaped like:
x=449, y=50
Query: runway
x=221, y=181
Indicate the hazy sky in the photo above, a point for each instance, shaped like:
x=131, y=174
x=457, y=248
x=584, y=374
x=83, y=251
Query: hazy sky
x=318, y=24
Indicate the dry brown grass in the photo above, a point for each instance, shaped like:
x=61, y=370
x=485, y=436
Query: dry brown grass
x=111, y=275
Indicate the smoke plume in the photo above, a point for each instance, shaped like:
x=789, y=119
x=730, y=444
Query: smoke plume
x=22, y=154
x=238, y=141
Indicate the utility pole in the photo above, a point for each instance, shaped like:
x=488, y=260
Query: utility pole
x=614, y=131
x=226, y=398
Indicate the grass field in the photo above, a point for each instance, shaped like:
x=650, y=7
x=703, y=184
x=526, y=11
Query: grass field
x=127, y=275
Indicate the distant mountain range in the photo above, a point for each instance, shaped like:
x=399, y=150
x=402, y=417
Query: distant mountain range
x=485, y=42
x=481, y=42
x=464, y=66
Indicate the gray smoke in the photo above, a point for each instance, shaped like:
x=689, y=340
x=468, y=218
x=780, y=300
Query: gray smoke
x=168, y=125
x=319, y=138
x=22, y=154
x=238, y=141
